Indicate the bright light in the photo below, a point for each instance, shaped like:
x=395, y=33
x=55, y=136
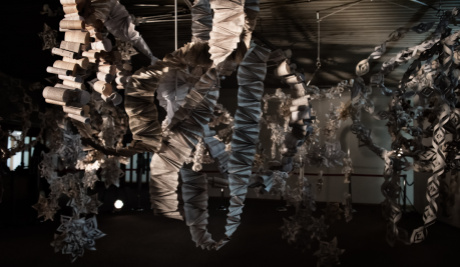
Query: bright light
x=118, y=204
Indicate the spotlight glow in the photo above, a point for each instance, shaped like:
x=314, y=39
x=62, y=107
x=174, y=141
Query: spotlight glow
x=118, y=204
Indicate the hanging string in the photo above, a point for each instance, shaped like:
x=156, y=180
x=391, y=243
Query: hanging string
x=340, y=10
x=318, y=45
x=175, y=25
x=175, y=33
x=318, y=20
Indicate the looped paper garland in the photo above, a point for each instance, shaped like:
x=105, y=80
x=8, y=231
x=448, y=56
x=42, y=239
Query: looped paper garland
x=393, y=163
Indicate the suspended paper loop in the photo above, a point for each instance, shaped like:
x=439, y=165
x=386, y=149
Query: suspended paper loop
x=439, y=139
x=228, y=23
x=362, y=68
x=201, y=21
x=183, y=137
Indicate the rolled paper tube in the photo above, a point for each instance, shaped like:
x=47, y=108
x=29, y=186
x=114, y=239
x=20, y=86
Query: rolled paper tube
x=65, y=65
x=70, y=2
x=72, y=15
x=71, y=24
x=85, y=109
x=102, y=76
x=107, y=68
x=60, y=85
x=71, y=78
x=77, y=37
x=62, y=52
x=82, y=62
x=122, y=79
x=73, y=84
x=301, y=101
x=98, y=36
x=85, y=120
x=114, y=97
x=73, y=110
x=70, y=46
x=92, y=60
x=291, y=79
x=100, y=45
x=57, y=94
x=300, y=88
x=58, y=71
x=85, y=47
x=70, y=9
x=64, y=30
x=54, y=102
x=120, y=87
x=283, y=69
x=103, y=88
x=91, y=53
x=82, y=97
x=78, y=98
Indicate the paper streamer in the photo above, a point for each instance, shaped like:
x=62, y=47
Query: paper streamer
x=140, y=106
x=227, y=26
x=251, y=74
x=201, y=20
x=183, y=137
x=195, y=196
x=439, y=140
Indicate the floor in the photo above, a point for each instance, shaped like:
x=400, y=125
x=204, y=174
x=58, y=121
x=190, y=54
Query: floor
x=137, y=238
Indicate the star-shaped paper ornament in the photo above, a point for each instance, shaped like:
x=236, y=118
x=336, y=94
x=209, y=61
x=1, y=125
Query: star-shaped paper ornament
x=45, y=208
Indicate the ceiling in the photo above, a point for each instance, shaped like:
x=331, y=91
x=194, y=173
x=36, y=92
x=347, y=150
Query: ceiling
x=349, y=30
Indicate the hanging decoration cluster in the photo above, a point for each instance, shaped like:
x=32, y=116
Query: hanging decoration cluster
x=424, y=106
x=186, y=83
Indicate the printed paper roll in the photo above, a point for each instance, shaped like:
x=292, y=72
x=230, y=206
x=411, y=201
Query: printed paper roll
x=107, y=68
x=73, y=110
x=70, y=9
x=81, y=97
x=65, y=65
x=73, y=84
x=71, y=2
x=62, y=52
x=58, y=71
x=301, y=101
x=57, y=94
x=102, y=76
x=77, y=37
x=72, y=24
x=283, y=69
x=54, y=102
x=91, y=54
x=103, y=88
x=97, y=36
x=122, y=79
x=82, y=62
x=104, y=45
x=71, y=46
x=79, y=118
x=74, y=16
x=71, y=78
x=60, y=85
